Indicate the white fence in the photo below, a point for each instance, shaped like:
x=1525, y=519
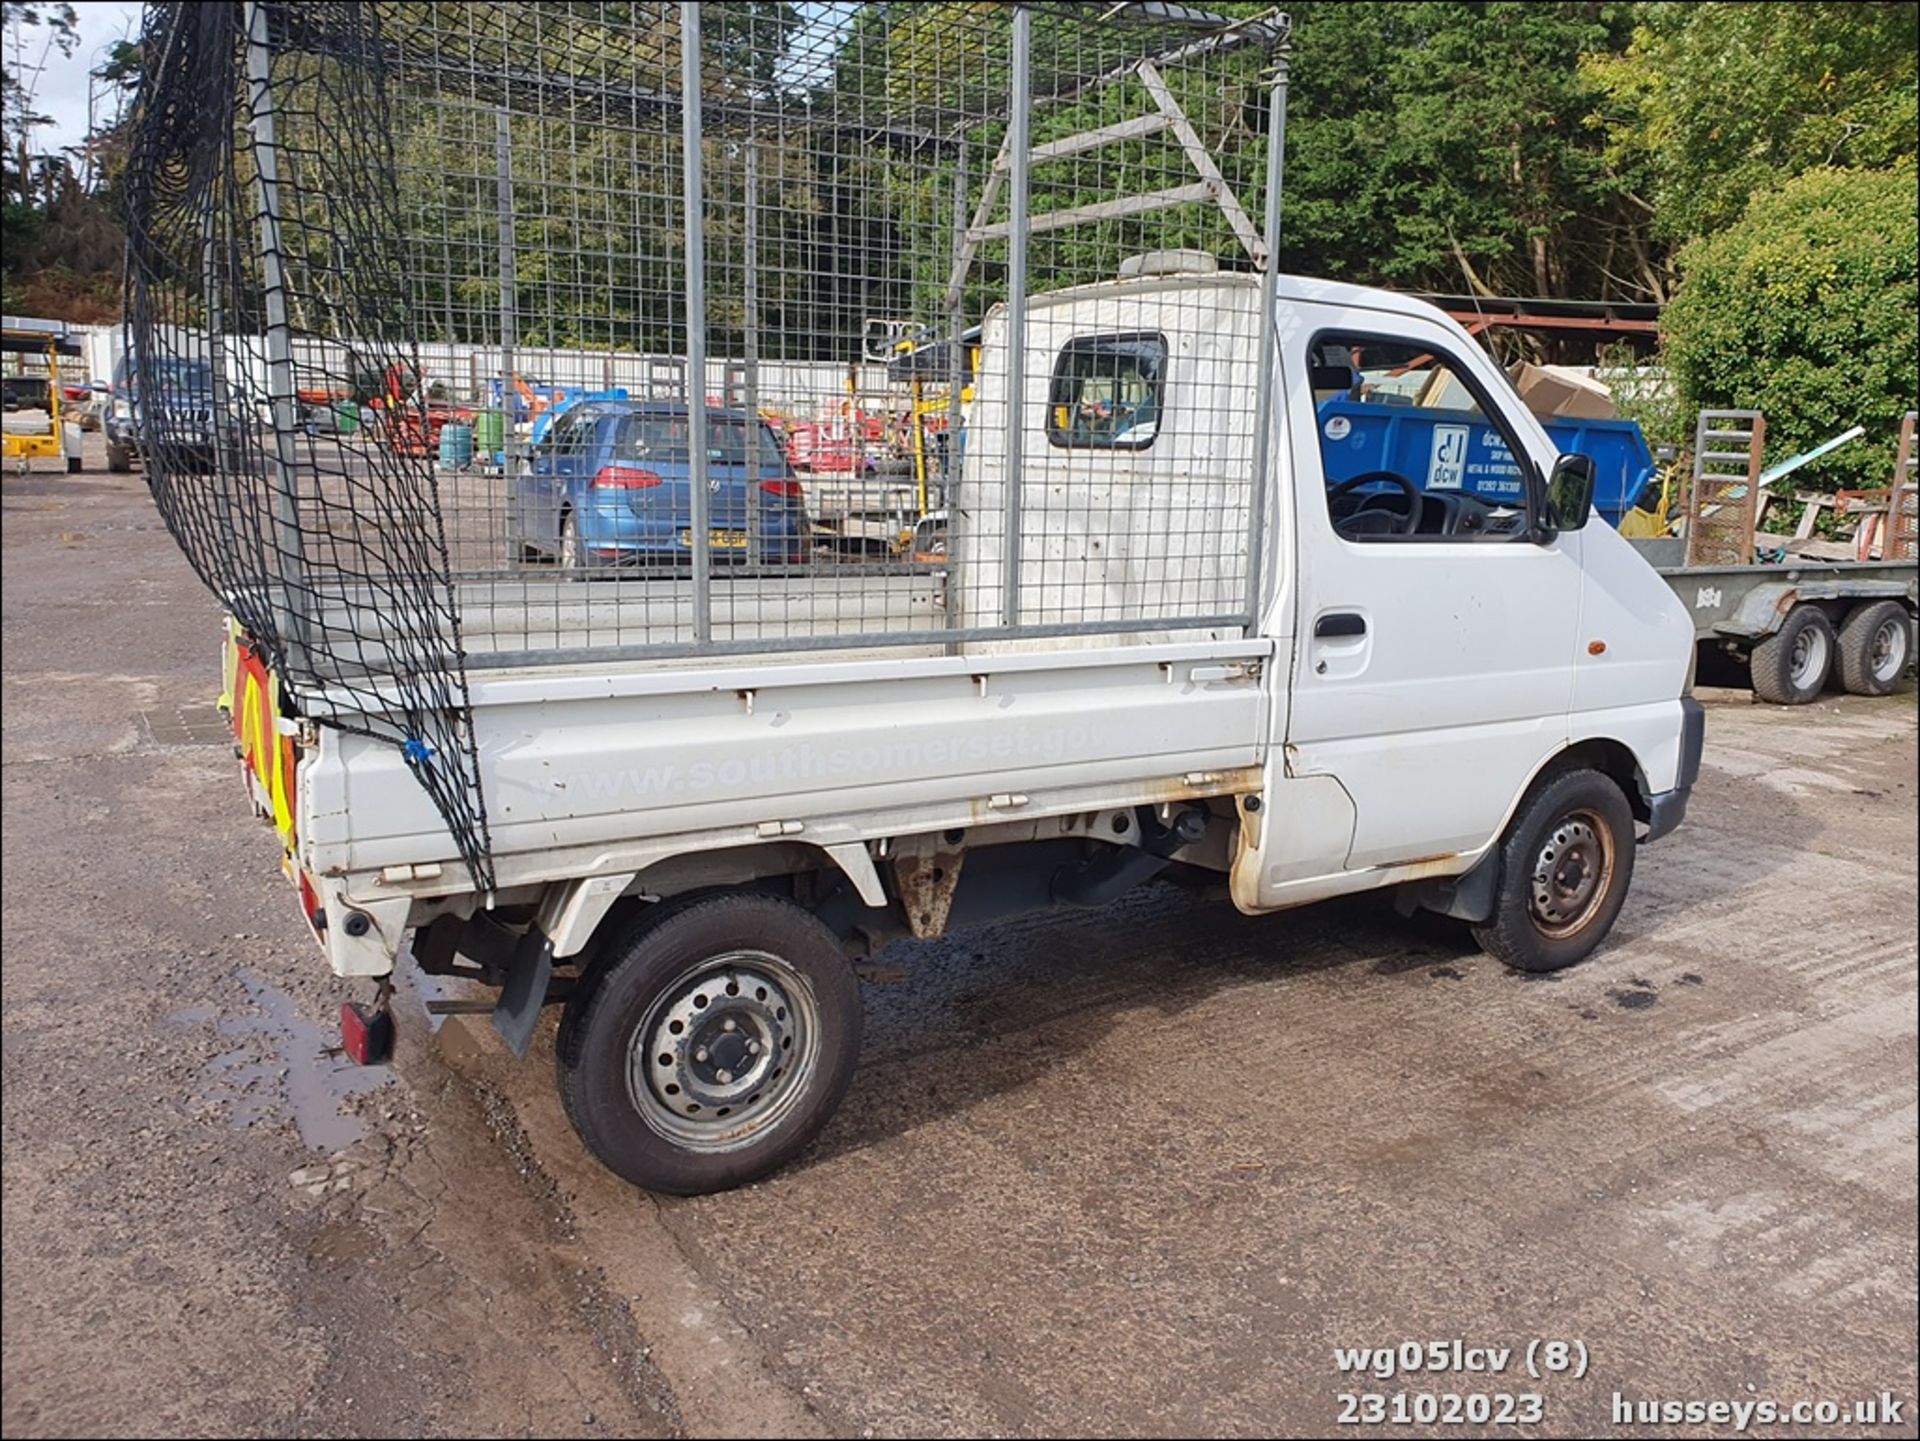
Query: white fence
x=471, y=373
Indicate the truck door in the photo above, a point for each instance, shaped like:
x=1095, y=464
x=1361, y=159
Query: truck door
x=1433, y=665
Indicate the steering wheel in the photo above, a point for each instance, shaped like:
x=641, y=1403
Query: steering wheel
x=1408, y=525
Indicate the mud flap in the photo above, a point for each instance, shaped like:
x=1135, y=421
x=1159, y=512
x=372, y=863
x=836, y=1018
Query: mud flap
x=1468, y=897
x=529, y=970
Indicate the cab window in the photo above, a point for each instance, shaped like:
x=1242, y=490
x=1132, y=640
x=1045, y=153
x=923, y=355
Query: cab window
x=1108, y=392
x=1409, y=448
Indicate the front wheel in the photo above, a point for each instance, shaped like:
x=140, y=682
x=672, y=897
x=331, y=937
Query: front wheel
x=710, y=1046
x=1565, y=866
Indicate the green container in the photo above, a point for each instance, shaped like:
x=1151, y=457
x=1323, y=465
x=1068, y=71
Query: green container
x=489, y=432
x=346, y=417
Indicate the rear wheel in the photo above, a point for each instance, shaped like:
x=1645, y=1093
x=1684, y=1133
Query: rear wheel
x=1565, y=867
x=119, y=459
x=1790, y=667
x=1875, y=646
x=710, y=1046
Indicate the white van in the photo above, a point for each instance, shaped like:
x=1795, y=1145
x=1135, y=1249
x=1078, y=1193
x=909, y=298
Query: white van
x=1453, y=689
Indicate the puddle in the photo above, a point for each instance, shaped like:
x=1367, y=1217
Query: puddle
x=297, y=1074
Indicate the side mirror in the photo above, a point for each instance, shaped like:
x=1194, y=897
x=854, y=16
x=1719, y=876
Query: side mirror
x=1569, y=493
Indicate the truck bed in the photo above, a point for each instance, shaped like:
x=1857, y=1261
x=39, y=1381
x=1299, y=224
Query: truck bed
x=600, y=770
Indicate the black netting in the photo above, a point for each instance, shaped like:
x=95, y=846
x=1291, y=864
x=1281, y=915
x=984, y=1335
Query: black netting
x=266, y=285
x=422, y=350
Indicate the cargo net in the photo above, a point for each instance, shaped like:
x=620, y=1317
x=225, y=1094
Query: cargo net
x=266, y=288
x=534, y=406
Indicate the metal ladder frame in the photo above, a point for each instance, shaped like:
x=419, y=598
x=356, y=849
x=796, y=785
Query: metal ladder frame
x=1723, y=438
x=1166, y=115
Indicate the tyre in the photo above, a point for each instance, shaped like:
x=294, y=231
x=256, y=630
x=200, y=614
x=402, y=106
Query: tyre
x=119, y=459
x=1875, y=646
x=73, y=465
x=569, y=543
x=1790, y=666
x=708, y=1047
x=1565, y=866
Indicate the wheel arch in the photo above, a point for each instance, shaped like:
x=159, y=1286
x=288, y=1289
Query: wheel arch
x=1469, y=894
x=1613, y=759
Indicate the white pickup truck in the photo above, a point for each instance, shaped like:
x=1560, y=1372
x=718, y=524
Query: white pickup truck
x=1454, y=689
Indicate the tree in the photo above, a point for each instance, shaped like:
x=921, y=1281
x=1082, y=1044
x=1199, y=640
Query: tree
x=1717, y=101
x=1804, y=310
x=23, y=22
x=1448, y=146
x=63, y=236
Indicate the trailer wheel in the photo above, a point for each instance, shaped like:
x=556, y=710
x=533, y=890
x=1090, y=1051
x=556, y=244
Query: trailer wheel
x=1876, y=643
x=1790, y=666
x=1565, y=866
x=710, y=1046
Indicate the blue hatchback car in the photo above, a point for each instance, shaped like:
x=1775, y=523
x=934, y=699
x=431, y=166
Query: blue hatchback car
x=607, y=484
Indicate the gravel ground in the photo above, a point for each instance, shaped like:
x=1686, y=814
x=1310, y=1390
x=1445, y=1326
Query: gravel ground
x=1134, y=1171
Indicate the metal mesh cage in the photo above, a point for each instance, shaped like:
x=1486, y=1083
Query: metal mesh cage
x=463, y=342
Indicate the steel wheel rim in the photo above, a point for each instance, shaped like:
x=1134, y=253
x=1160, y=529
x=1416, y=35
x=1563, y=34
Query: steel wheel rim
x=747, y=1016
x=1887, y=656
x=1572, y=874
x=1808, y=662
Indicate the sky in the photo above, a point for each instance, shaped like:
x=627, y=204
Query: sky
x=61, y=88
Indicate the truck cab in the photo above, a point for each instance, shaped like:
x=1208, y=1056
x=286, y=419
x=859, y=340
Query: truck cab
x=1443, y=624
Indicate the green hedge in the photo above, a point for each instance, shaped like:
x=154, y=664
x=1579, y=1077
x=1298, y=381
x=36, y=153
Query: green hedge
x=1807, y=309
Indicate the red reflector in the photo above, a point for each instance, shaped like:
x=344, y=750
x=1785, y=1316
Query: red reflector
x=310, y=903
x=366, y=1034
x=788, y=488
x=624, y=477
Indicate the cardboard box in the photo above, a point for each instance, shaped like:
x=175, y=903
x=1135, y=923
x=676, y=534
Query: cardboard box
x=1551, y=391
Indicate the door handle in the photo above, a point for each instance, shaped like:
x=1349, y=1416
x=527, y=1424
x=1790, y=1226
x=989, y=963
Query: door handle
x=1338, y=624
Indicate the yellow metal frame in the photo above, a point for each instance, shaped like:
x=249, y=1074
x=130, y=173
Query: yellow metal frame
x=924, y=403
x=29, y=448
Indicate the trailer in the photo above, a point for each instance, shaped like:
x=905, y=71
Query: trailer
x=1802, y=626
x=1797, y=623
x=1163, y=636
x=36, y=424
